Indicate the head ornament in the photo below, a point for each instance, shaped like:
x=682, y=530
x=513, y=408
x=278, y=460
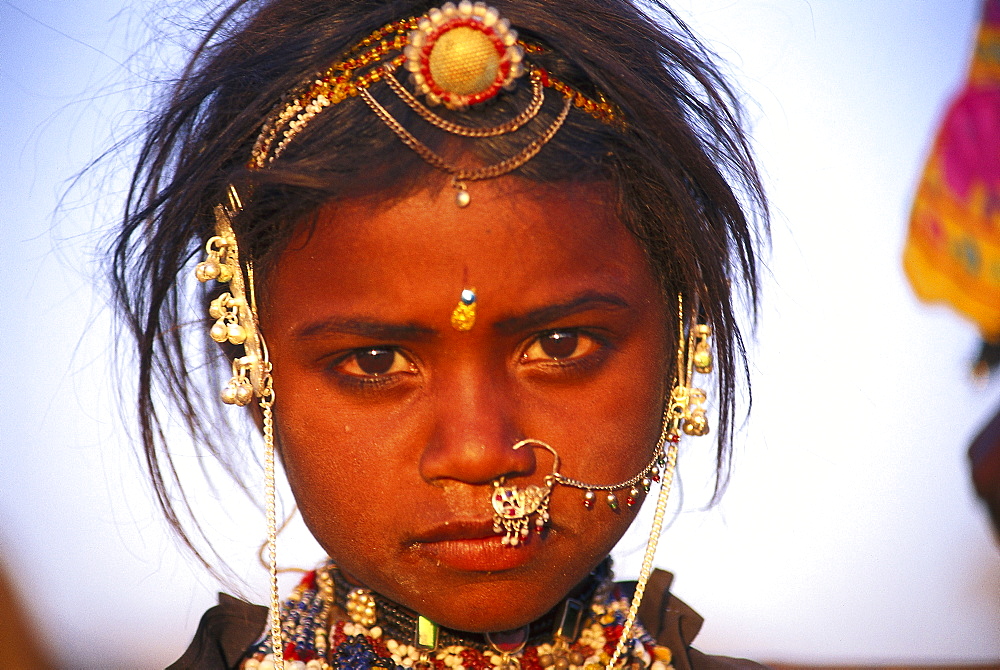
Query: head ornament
x=457, y=56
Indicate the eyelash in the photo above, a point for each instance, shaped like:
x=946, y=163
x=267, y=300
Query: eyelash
x=367, y=382
x=596, y=353
x=599, y=347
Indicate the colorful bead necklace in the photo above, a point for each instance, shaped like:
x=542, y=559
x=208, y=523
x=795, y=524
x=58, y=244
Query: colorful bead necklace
x=313, y=642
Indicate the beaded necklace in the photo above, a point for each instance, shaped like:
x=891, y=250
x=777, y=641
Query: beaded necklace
x=313, y=642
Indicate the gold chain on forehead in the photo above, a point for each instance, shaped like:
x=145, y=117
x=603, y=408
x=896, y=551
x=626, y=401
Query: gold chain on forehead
x=409, y=44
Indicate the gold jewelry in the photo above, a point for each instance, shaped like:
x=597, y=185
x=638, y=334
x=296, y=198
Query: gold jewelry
x=463, y=317
x=674, y=416
x=513, y=506
x=462, y=175
x=235, y=312
x=458, y=56
x=461, y=55
x=702, y=357
x=530, y=112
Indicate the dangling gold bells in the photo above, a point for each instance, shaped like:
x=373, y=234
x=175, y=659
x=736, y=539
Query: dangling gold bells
x=236, y=322
x=235, y=310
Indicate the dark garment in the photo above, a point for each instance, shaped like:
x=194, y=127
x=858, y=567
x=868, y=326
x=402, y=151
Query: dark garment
x=984, y=455
x=227, y=630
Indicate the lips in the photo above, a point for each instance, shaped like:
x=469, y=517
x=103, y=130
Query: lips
x=472, y=546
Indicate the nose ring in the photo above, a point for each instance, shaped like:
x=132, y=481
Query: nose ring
x=513, y=506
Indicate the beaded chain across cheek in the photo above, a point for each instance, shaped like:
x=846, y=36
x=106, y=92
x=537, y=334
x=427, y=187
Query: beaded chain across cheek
x=514, y=506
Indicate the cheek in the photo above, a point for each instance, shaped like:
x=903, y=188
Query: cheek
x=607, y=433
x=335, y=468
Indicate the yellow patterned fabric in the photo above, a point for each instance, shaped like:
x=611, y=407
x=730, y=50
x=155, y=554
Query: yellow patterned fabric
x=952, y=253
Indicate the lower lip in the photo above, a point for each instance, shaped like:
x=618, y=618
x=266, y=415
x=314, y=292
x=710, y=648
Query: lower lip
x=487, y=554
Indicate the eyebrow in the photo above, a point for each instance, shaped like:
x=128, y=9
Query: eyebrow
x=544, y=315
x=377, y=330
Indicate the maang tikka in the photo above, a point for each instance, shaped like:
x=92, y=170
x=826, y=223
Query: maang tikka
x=235, y=312
x=456, y=56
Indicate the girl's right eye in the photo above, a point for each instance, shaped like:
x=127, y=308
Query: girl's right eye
x=372, y=362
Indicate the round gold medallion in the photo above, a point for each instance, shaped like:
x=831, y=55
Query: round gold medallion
x=460, y=55
x=464, y=61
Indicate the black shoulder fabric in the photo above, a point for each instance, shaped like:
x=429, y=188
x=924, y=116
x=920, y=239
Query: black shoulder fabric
x=224, y=634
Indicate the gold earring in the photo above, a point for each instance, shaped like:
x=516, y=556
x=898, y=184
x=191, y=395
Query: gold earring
x=235, y=312
x=695, y=421
x=687, y=402
x=702, y=356
x=676, y=416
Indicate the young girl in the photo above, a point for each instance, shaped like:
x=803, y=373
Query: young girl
x=464, y=264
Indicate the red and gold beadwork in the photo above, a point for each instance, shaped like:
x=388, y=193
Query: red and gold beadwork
x=449, y=63
x=461, y=55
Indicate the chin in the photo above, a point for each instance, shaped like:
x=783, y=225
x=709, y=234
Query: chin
x=502, y=615
x=498, y=602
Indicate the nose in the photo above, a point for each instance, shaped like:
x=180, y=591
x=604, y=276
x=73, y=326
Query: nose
x=475, y=430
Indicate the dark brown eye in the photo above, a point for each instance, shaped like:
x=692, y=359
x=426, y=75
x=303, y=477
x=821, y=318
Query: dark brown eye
x=559, y=345
x=375, y=361
x=374, y=364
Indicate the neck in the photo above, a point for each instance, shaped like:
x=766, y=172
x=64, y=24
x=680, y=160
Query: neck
x=331, y=623
x=401, y=623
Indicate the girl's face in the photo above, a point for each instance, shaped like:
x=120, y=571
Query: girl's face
x=393, y=425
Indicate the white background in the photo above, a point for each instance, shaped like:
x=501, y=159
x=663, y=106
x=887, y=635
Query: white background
x=850, y=533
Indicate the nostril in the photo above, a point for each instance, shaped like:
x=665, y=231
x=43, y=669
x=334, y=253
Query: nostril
x=475, y=426
x=475, y=460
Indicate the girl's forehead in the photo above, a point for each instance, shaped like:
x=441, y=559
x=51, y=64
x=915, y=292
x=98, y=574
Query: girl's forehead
x=516, y=242
x=426, y=228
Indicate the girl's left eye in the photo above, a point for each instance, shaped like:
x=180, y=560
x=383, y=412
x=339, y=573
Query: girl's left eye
x=559, y=345
x=375, y=362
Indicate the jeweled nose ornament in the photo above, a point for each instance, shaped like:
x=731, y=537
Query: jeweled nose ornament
x=513, y=507
x=463, y=317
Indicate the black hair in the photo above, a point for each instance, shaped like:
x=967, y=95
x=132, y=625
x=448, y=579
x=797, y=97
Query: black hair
x=682, y=175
